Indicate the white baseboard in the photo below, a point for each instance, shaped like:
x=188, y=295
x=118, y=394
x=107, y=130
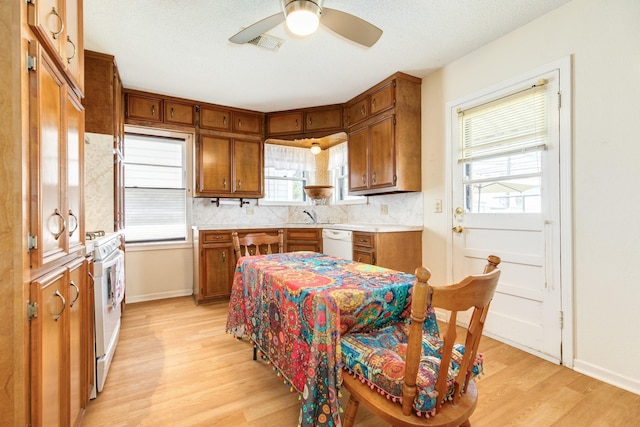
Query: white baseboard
x=160, y=295
x=609, y=377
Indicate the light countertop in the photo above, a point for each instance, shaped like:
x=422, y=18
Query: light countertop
x=371, y=228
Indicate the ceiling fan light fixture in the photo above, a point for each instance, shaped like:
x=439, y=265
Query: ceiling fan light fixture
x=302, y=16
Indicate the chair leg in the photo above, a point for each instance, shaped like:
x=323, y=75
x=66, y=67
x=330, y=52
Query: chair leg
x=255, y=353
x=350, y=413
x=467, y=423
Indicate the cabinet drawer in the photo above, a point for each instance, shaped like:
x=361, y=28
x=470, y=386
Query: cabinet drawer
x=358, y=111
x=363, y=240
x=289, y=123
x=175, y=112
x=215, y=118
x=303, y=234
x=144, y=108
x=382, y=99
x=247, y=123
x=297, y=247
x=323, y=120
x=365, y=257
x=209, y=237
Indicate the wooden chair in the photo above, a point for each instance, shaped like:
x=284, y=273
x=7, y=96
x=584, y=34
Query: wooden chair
x=445, y=397
x=261, y=242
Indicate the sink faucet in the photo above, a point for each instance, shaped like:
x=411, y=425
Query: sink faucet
x=312, y=215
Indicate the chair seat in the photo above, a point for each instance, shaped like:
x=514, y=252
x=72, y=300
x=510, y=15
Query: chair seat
x=378, y=359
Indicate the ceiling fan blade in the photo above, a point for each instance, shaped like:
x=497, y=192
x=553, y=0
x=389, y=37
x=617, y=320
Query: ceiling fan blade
x=252, y=31
x=350, y=26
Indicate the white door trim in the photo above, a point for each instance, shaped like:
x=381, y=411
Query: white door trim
x=566, y=189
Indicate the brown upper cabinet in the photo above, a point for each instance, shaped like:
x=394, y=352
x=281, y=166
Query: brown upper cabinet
x=143, y=107
x=385, y=138
x=58, y=26
x=213, y=117
x=310, y=122
x=179, y=113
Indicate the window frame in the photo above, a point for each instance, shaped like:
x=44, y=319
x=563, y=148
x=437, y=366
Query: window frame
x=189, y=177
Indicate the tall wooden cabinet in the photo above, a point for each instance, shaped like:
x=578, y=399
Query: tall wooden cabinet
x=104, y=114
x=56, y=305
x=385, y=138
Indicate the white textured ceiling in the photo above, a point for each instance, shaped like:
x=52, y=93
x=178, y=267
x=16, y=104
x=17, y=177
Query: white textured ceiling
x=181, y=48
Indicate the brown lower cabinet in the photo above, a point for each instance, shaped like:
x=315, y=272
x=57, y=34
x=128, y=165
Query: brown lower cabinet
x=59, y=330
x=400, y=251
x=303, y=239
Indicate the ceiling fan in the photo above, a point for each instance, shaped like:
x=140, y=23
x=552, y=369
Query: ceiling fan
x=302, y=18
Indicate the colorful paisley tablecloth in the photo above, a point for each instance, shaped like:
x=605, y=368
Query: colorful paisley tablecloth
x=295, y=306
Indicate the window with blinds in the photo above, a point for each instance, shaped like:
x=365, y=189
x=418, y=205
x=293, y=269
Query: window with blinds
x=501, y=143
x=155, y=189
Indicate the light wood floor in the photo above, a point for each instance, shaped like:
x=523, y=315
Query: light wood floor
x=176, y=366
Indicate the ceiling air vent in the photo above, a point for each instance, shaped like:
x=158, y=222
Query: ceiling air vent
x=267, y=42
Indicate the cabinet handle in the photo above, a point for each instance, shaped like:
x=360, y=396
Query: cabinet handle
x=224, y=256
x=373, y=103
x=364, y=179
x=55, y=34
x=239, y=123
x=359, y=259
x=218, y=237
x=77, y=293
x=57, y=235
x=239, y=184
x=153, y=110
x=93, y=280
x=362, y=110
x=75, y=218
x=310, y=121
x=373, y=177
x=172, y=112
x=297, y=124
x=224, y=183
x=75, y=50
x=224, y=121
x=64, y=305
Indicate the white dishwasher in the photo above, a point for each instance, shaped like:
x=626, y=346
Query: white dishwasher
x=337, y=243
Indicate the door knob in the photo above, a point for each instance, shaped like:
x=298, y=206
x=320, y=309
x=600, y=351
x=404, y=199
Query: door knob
x=459, y=210
x=458, y=229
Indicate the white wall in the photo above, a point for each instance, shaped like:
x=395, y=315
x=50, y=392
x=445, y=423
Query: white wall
x=603, y=39
x=158, y=273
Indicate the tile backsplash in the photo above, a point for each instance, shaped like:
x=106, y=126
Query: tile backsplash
x=98, y=182
x=393, y=209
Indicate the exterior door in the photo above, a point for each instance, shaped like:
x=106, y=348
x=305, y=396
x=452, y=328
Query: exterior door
x=505, y=183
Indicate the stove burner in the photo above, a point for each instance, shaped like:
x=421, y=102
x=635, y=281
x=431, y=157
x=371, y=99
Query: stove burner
x=92, y=235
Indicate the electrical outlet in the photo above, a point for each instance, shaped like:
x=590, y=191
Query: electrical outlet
x=438, y=206
x=384, y=209
x=250, y=210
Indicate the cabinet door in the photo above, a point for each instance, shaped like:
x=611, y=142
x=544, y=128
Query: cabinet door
x=247, y=123
x=358, y=155
x=73, y=52
x=214, y=165
x=382, y=170
x=78, y=336
x=178, y=113
x=324, y=120
x=248, y=167
x=285, y=123
x=143, y=107
x=358, y=110
x=364, y=256
x=215, y=118
x=383, y=98
x=48, y=360
x=75, y=172
x=216, y=272
x=48, y=220
x=46, y=19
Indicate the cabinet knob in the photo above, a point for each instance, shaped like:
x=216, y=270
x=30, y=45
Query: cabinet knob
x=239, y=123
x=297, y=124
x=239, y=184
x=373, y=177
x=310, y=121
x=172, y=112
x=373, y=103
x=364, y=179
x=362, y=110
x=224, y=120
x=153, y=110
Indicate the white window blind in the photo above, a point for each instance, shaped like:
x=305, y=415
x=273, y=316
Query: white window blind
x=155, y=190
x=516, y=123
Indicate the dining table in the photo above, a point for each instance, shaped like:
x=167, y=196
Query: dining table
x=294, y=307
